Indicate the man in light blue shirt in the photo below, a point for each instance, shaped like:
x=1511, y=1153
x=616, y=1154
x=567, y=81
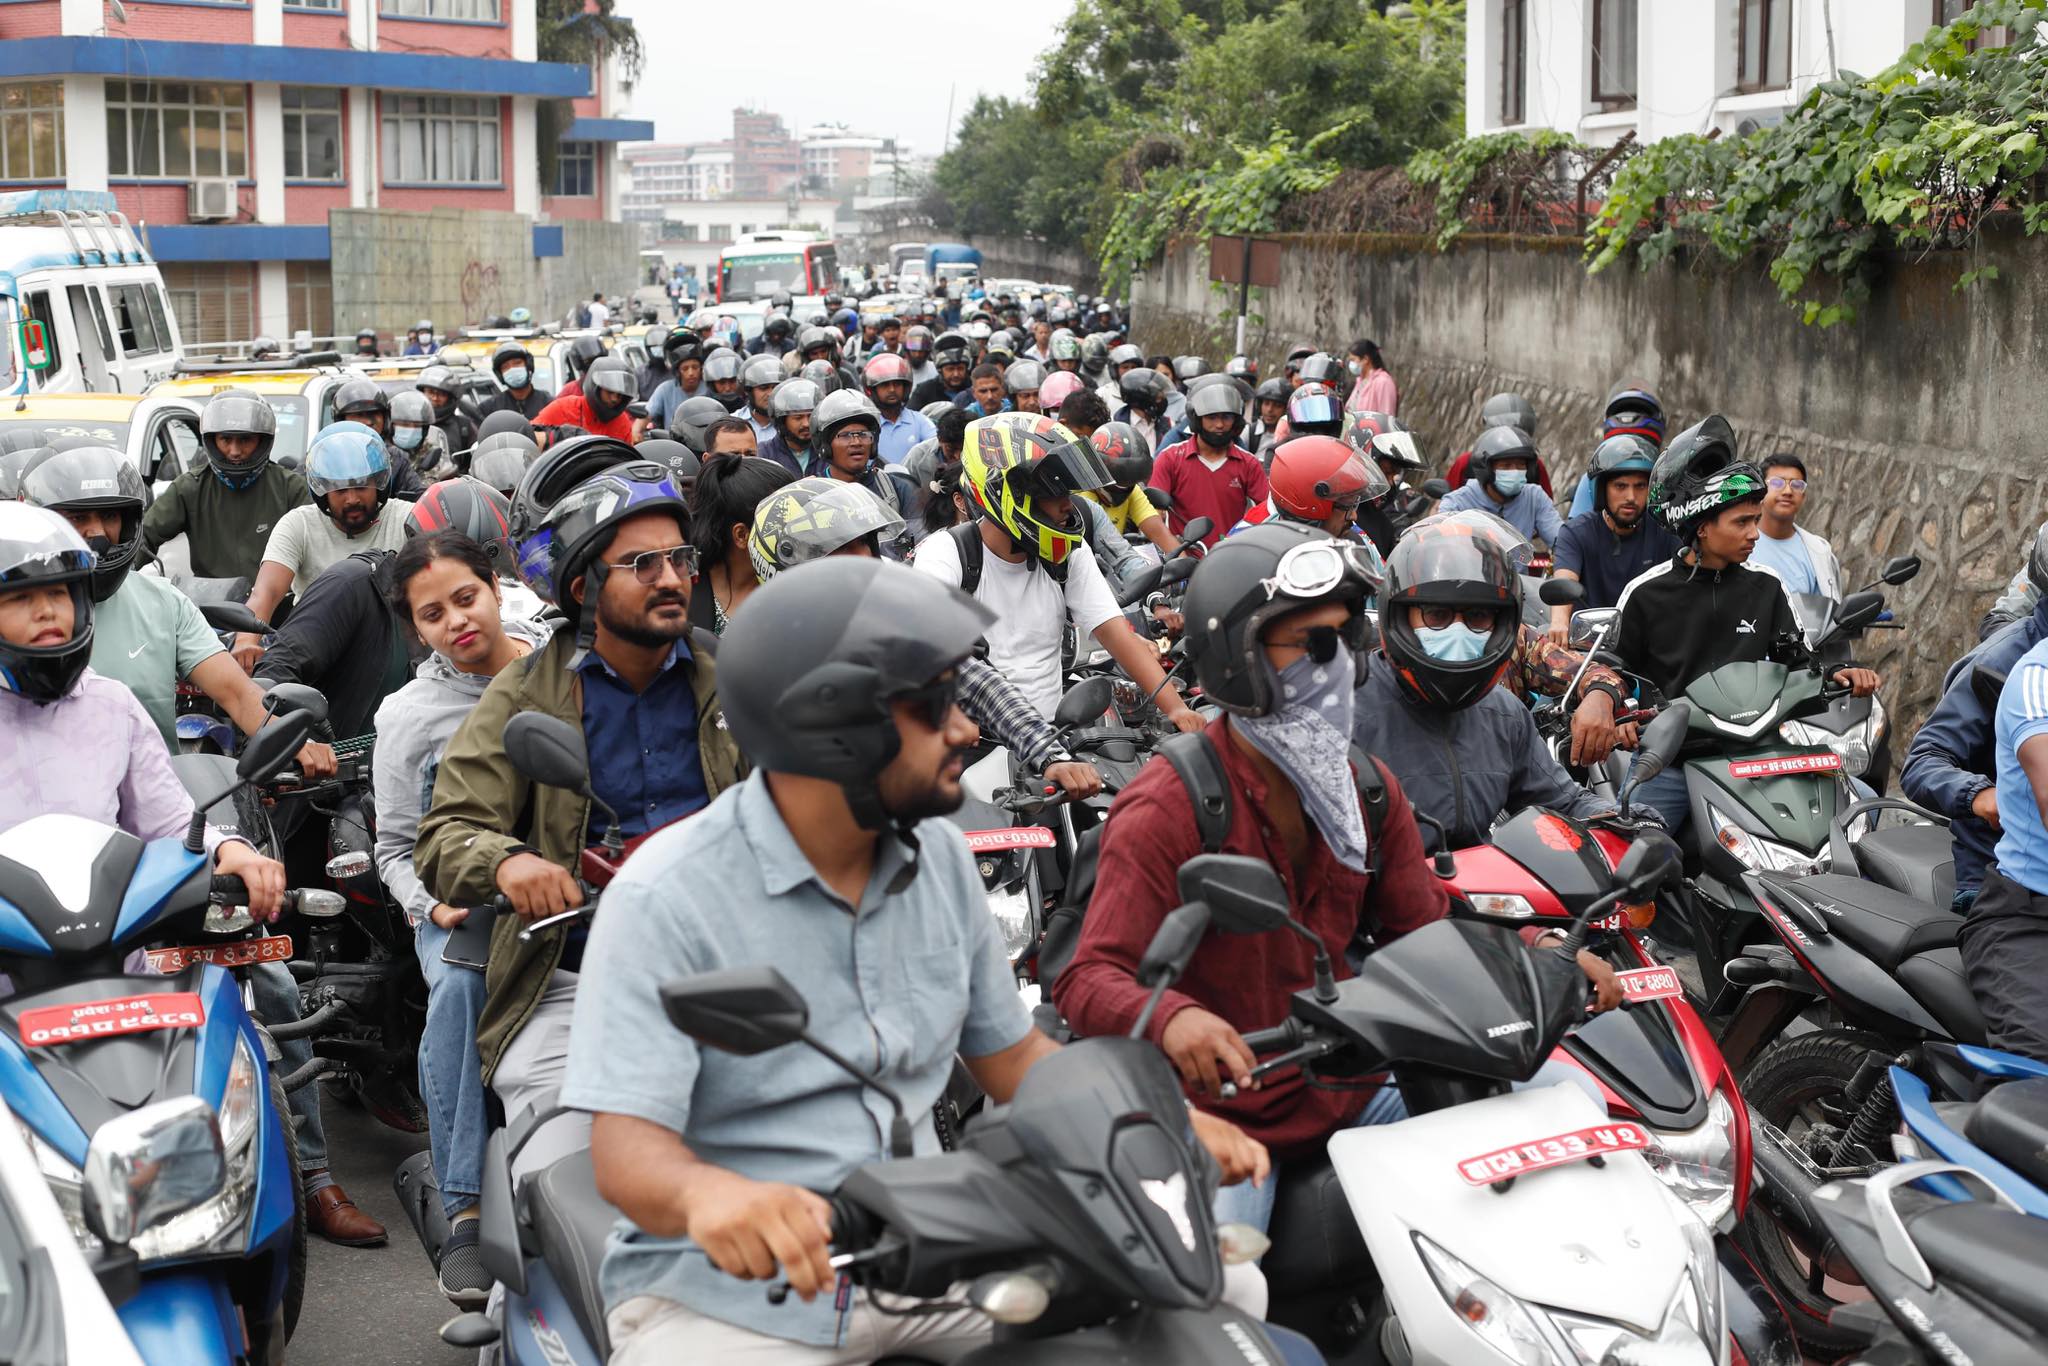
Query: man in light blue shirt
x=2004, y=940
x=886, y=377
x=1804, y=561
x=1501, y=461
x=831, y=865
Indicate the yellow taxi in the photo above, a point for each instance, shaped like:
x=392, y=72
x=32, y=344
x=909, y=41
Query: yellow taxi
x=299, y=396
x=159, y=433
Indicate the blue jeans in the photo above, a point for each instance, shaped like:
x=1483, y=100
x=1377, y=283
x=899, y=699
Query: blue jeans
x=451, y=1076
x=277, y=1002
x=1245, y=1203
x=1666, y=795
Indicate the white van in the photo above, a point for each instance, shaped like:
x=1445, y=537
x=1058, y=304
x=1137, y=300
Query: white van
x=82, y=304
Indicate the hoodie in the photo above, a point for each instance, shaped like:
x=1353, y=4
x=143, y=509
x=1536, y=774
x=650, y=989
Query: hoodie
x=414, y=726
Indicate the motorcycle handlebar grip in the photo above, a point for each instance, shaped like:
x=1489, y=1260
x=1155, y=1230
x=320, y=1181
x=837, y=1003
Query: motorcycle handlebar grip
x=228, y=889
x=1281, y=1036
x=851, y=1227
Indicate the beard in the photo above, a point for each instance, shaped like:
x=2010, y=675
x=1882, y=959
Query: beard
x=1215, y=441
x=356, y=519
x=644, y=629
x=907, y=800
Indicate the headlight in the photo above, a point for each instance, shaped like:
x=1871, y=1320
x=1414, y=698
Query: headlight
x=1756, y=853
x=1503, y=1321
x=1501, y=903
x=1698, y=1165
x=218, y=1225
x=67, y=1183
x=1015, y=918
x=1854, y=744
x=1599, y=1342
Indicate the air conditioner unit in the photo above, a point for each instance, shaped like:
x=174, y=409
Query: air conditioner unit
x=210, y=199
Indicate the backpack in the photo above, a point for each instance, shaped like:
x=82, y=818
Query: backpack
x=967, y=541
x=1200, y=767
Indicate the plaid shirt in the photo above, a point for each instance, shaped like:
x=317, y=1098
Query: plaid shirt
x=1006, y=715
x=1540, y=667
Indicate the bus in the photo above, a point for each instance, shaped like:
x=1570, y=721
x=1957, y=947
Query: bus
x=758, y=264
x=82, y=304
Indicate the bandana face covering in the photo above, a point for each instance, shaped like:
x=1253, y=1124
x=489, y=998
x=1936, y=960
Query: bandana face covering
x=1308, y=738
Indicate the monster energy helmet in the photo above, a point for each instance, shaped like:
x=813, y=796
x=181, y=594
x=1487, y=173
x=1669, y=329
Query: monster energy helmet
x=1698, y=474
x=813, y=518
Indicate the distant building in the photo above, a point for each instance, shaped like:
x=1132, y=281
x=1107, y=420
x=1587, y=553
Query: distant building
x=663, y=173
x=766, y=158
x=836, y=157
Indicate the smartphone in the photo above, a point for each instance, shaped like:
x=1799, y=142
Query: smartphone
x=469, y=944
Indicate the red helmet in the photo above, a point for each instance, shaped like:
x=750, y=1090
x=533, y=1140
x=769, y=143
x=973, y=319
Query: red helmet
x=1313, y=476
x=885, y=368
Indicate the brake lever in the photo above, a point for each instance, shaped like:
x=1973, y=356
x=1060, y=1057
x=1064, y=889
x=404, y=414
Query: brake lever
x=556, y=919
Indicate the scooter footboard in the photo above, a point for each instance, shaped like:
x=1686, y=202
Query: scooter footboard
x=181, y=1317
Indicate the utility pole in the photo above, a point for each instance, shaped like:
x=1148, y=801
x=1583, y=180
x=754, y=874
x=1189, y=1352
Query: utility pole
x=947, y=145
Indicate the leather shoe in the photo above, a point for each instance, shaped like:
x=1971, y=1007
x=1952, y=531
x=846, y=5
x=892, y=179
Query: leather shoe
x=332, y=1215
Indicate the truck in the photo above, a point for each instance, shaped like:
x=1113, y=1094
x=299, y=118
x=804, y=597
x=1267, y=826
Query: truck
x=82, y=303
x=945, y=261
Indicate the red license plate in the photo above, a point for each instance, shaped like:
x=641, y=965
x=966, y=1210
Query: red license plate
x=1502, y=1163
x=1791, y=763
x=1017, y=837
x=81, y=1020
x=274, y=948
x=1649, y=984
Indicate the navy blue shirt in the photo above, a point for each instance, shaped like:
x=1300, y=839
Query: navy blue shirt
x=643, y=746
x=1606, y=562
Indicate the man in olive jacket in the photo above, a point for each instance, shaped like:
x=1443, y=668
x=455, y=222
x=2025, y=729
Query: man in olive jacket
x=646, y=699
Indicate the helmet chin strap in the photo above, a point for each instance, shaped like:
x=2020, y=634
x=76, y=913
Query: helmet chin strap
x=586, y=616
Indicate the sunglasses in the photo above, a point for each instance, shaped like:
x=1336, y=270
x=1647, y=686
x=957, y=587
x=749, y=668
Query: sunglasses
x=1321, y=642
x=1778, y=482
x=935, y=699
x=647, y=565
x=1478, y=618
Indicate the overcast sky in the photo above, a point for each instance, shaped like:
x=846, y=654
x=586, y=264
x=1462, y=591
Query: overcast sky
x=884, y=66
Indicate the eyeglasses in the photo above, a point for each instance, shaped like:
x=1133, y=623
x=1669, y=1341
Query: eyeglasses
x=647, y=565
x=1316, y=567
x=936, y=698
x=1778, y=482
x=1321, y=642
x=859, y=436
x=1478, y=618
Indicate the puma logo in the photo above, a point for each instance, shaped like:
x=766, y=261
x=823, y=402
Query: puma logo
x=1745, y=628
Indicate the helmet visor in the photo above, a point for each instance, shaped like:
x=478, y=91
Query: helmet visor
x=1069, y=466
x=615, y=380
x=1312, y=409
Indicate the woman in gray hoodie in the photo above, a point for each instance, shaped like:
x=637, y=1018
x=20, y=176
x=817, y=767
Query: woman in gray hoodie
x=443, y=585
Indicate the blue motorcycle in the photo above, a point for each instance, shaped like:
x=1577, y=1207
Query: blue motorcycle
x=148, y=1100
x=1981, y=1109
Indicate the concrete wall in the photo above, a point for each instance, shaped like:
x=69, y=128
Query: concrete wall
x=1921, y=423
x=1023, y=258
x=458, y=266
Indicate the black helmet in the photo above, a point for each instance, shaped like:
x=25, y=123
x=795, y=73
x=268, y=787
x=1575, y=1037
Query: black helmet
x=94, y=479
x=780, y=301
x=762, y=372
x=950, y=348
x=608, y=386
x=560, y=468
x=683, y=464
x=238, y=412
x=1216, y=400
x=38, y=547
x=1449, y=565
x=691, y=424
x=682, y=345
x=1248, y=579
x=1320, y=367
x=1124, y=453
x=504, y=420
x=582, y=523
x=1245, y=368
x=441, y=379
x=502, y=459
x=1633, y=408
x=842, y=408
x=472, y=506
x=792, y=396
x=655, y=339
x=822, y=373
x=1127, y=354
x=1508, y=410
x=1499, y=443
x=1312, y=410
x=1146, y=390
x=582, y=352
x=1624, y=454
x=1698, y=475
x=508, y=351
x=356, y=398
x=778, y=327
x=1274, y=390
x=722, y=365
x=807, y=672
x=366, y=334
x=1094, y=355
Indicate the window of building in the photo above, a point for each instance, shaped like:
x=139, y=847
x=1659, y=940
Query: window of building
x=176, y=129
x=312, y=133
x=440, y=140
x=1946, y=12
x=1763, y=45
x=31, y=130
x=215, y=300
x=440, y=9
x=1614, y=53
x=576, y=170
x=1514, y=31
x=309, y=298
x=331, y=5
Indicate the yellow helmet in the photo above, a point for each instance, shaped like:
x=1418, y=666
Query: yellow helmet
x=1011, y=460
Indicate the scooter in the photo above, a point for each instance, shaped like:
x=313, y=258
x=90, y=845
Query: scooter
x=1856, y=728
x=148, y=1101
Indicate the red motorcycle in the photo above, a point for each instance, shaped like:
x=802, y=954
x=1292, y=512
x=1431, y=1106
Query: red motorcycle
x=1654, y=1061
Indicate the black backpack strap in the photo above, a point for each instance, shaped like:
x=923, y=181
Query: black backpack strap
x=1200, y=768
x=1373, y=781
x=967, y=541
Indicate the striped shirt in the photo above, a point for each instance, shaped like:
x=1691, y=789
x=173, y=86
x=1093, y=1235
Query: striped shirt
x=2022, y=852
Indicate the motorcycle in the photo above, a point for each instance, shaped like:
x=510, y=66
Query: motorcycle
x=202, y=727
x=1856, y=728
x=148, y=1100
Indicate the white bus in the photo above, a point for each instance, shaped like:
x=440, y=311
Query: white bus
x=82, y=303
x=758, y=264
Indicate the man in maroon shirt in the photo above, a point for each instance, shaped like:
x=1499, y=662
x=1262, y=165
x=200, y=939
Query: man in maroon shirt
x=1209, y=474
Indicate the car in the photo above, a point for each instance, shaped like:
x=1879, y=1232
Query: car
x=300, y=395
x=158, y=433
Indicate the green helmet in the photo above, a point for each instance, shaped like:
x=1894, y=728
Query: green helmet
x=1698, y=474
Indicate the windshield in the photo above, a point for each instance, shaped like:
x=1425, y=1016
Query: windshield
x=113, y=434
x=292, y=427
x=746, y=277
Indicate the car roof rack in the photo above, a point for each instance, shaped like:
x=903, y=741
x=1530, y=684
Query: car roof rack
x=308, y=360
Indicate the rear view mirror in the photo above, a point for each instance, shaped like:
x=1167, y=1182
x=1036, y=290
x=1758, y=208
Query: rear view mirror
x=1159, y=498
x=737, y=1010
x=1244, y=895
x=1197, y=529
x=233, y=616
x=1435, y=488
x=273, y=746
x=283, y=697
x=1900, y=569
x=1858, y=611
x=1084, y=701
x=1173, y=944
x=1561, y=592
x=547, y=750
x=151, y=1165
x=1137, y=584
x=1177, y=569
x=1660, y=743
x=1649, y=863
x=1589, y=622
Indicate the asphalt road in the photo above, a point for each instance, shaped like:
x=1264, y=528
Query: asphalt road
x=375, y=1304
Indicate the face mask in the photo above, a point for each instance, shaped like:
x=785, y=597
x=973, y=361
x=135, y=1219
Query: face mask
x=1308, y=738
x=516, y=376
x=1353, y=366
x=1453, y=644
x=1510, y=482
x=408, y=438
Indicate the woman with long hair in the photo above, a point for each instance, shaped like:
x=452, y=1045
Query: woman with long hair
x=729, y=488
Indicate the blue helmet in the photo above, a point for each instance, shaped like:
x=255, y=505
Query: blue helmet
x=1633, y=409
x=847, y=321
x=564, y=466
x=348, y=455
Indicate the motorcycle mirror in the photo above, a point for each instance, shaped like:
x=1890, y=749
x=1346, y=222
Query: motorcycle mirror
x=321, y=904
x=1660, y=743
x=150, y=1165
x=354, y=863
x=272, y=747
x=1084, y=701
x=1435, y=488
x=1177, y=569
x=1243, y=894
x=1561, y=592
x=1173, y=944
x=1196, y=530
x=547, y=750
x=232, y=616
x=1858, y=611
x=1138, y=585
x=1159, y=498
x=283, y=697
x=1649, y=863
x=737, y=1010
x=1589, y=622
x=1899, y=569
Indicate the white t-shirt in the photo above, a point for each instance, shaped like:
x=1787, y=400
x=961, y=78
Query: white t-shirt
x=306, y=540
x=1031, y=611
x=600, y=316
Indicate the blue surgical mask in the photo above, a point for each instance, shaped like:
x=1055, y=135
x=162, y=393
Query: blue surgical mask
x=516, y=376
x=1453, y=644
x=408, y=438
x=1510, y=482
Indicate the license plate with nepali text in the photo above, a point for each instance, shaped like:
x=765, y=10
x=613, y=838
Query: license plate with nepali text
x=272, y=948
x=1522, y=1158
x=82, y=1020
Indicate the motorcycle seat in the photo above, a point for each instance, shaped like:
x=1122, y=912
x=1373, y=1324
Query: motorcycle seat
x=1917, y=860
x=572, y=1222
x=1316, y=1242
x=2011, y=1123
x=1887, y=926
x=1937, y=981
x=1990, y=1251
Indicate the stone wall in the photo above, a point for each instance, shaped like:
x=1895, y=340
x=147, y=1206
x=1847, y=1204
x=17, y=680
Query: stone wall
x=1028, y=259
x=458, y=266
x=1921, y=423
